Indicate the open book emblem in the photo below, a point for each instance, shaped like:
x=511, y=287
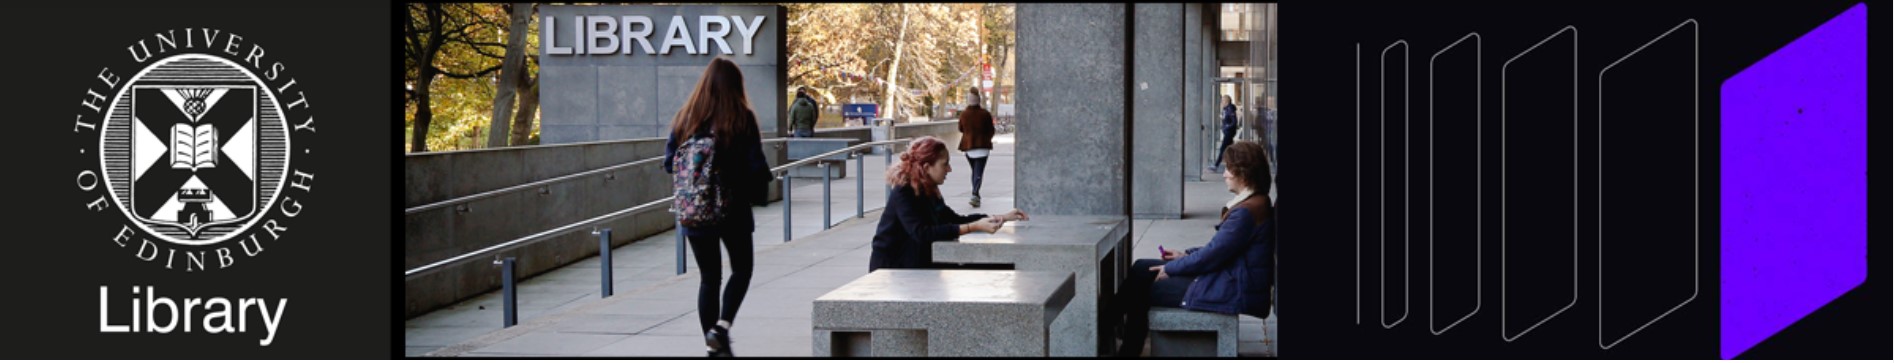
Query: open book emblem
x=193, y=147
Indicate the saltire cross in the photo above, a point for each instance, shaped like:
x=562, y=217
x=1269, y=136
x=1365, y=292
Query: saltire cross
x=206, y=137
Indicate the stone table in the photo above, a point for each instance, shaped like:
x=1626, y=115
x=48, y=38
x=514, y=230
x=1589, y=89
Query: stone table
x=1095, y=249
x=909, y=313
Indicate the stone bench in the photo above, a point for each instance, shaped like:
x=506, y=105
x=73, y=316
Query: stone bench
x=1094, y=249
x=935, y=313
x=1179, y=332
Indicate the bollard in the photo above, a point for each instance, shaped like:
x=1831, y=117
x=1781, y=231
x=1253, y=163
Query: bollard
x=680, y=247
x=825, y=195
x=860, y=161
x=508, y=295
x=888, y=161
x=604, y=262
x=785, y=207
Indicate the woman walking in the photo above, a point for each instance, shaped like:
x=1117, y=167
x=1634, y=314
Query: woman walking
x=976, y=139
x=717, y=152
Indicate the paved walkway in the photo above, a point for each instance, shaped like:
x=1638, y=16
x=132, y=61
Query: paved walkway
x=653, y=311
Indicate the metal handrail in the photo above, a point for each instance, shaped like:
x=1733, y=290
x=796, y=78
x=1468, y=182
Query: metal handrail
x=536, y=237
x=548, y=234
x=540, y=183
x=780, y=169
x=508, y=264
x=544, y=182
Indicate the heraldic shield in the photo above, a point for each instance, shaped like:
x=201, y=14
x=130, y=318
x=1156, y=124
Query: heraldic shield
x=201, y=152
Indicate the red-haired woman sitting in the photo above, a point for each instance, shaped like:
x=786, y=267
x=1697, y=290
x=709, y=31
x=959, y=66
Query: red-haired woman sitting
x=916, y=216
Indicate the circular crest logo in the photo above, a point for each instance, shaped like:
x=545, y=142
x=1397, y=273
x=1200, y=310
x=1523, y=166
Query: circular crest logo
x=197, y=150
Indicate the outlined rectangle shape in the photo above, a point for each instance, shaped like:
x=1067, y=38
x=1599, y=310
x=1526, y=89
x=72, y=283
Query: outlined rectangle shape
x=1538, y=183
x=1648, y=217
x=1453, y=204
x=1388, y=131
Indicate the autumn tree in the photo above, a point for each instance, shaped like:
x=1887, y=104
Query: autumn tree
x=447, y=42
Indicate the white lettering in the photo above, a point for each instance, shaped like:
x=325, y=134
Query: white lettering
x=146, y=246
x=91, y=101
x=642, y=35
x=134, y=51
x=247, y=250
x=705, y=35
x=749, y=33
x=231, y=44
x=104, y=303
x=551, y=37
x=308, y=124
x=219, y=315
x=271, y=321
x=594, y=34
x=578, y=35
x=124, y=234
x=301, y=180
x=675, y=37
x=597, y=35
x=151, y=312
x=88, y=185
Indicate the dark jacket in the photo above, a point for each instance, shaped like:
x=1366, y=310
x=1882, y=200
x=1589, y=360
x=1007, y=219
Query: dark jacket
x=976, y=129
x=802, y=113
x=1229, y=119
x=910, y=225
x=741, y=170
x=1233, y=272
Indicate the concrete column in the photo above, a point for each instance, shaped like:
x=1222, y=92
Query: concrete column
x=1157, y=114
x=1193, y=92
x=1212, y=106
x=1070, y=101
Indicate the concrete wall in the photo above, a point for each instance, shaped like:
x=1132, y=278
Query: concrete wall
x=592, y=97
x=1157, y=116
x=861, y=134
x=947, y=130
x=1070, y=97
x=442, y=233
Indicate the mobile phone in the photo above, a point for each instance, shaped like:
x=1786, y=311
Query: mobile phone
x=1160, y=251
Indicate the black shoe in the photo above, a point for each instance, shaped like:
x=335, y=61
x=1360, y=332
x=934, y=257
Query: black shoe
x=718, y=339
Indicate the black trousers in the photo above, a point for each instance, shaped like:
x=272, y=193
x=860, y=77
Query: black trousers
x=1228, y=137
x=979, y=172
x=1141, y=291
x=710, y=267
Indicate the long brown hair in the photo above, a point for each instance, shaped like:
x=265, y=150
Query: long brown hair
x=720, y=101
x=912, y=170
x=1249, y=162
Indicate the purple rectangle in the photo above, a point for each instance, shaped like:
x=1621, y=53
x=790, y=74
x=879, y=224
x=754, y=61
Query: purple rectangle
x=1794, y=181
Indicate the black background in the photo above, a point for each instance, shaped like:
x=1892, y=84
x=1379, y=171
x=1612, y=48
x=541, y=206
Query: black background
x=333, y=263
x=1318, y=281
x=336, y=265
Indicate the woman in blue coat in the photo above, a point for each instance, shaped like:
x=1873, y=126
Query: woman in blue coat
x=1230, y=275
